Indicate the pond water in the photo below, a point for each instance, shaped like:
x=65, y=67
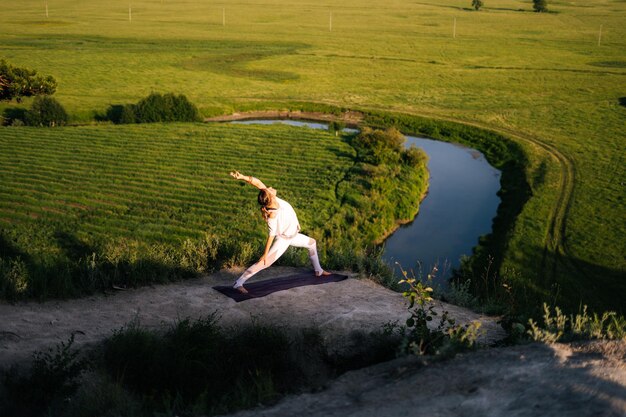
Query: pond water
x=459, y=208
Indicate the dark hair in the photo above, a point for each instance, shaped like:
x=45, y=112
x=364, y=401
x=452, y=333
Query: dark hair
x=264, y=198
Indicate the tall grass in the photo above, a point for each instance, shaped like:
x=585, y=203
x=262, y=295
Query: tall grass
x=194, y=367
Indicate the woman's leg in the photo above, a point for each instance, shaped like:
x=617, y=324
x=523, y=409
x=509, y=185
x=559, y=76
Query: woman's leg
x=303, y=241
x=278, y=248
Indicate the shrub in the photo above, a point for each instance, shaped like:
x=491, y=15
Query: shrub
x=121, y=114
x=414, y=157
x=52, y=378
x=13, y=116
x=377, y=147
x=198, y=364
x=336, y=126
x=446, y=339
x=155, y=108
x=540, y=5
x=46, y=111
x=477, y=4
x=13, y=278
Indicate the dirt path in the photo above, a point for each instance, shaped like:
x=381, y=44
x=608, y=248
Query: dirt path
x=337, y=309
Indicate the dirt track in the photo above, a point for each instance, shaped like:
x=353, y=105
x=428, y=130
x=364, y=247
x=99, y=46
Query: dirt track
x=338, y=309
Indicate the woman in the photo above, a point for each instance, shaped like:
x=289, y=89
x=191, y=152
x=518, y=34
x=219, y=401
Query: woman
x=283, y=231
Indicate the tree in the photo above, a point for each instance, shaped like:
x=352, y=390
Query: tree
x=540, y=5
x=378, y=147
x=155, y=108
x=477, y=4
x=46, y=111
x=16, y=83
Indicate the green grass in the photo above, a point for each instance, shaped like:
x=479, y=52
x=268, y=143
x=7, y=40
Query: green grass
x=161, y=182
x=119, y=191
x=84, y=207
x=540, y=79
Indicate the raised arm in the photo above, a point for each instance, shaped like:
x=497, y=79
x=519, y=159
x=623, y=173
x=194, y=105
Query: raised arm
x=249, y=179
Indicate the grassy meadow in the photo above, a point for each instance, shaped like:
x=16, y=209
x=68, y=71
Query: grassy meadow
x=551, y=82
x=89, y=206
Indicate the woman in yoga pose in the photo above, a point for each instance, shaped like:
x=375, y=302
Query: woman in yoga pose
x=283, y=231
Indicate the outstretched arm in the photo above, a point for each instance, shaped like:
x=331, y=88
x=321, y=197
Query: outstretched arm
x=250, y=180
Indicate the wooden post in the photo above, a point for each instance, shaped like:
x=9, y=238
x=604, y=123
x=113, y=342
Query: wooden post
x=330, y=22
x=454, y=29
x=130, y=13
x=223, y=16
x=600, y=35
x=46, y=10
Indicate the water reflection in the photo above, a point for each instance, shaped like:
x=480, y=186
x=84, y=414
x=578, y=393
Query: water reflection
x=461, y=203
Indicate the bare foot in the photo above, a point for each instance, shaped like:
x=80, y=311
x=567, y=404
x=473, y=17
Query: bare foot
x=323, y=274
x=242, y=290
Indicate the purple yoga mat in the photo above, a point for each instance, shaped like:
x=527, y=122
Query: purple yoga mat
x=260, y=289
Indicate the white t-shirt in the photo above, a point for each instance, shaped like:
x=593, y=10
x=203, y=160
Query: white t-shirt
x=285, y=222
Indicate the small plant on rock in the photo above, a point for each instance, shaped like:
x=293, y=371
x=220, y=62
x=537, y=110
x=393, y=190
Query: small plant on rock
x=446, y=338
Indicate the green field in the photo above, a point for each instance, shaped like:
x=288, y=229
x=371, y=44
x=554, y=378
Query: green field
x=543, y=80
x=82, y=206
x=160, y=183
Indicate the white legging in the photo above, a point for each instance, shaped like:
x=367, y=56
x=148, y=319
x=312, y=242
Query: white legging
x=279, y=247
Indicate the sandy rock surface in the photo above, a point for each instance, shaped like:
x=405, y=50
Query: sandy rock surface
x=582, y=380
x=532, y=380
x=338, y=309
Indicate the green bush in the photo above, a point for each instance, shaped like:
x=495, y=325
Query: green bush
x=414, y=156
x=46, y=111
x=13, y=278
x=377, y=147
x=155, y=108
x=446, y=339
x=540, y=6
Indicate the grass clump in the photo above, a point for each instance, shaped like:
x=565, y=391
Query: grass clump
x=43, y=389
x=559, y=327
